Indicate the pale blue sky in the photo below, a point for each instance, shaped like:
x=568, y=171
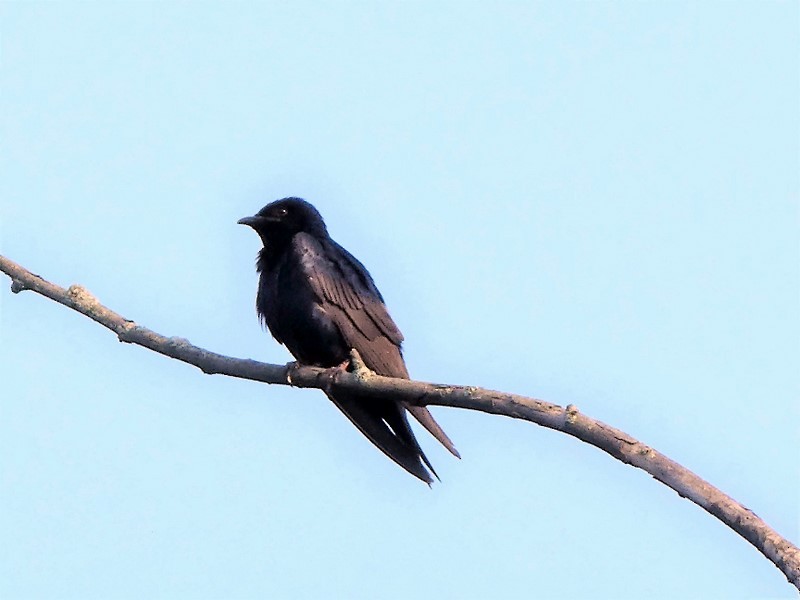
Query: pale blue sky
x=590, y=203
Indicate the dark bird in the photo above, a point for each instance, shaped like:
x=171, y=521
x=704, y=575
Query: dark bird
x=320, y=302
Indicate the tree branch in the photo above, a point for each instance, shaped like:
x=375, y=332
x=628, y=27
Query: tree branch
x=569, y=420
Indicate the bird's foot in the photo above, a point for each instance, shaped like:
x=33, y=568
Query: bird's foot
x=291, y=371
x=332, y=373
x=360, y=370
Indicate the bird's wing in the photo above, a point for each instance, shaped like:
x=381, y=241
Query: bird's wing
x=349, y=296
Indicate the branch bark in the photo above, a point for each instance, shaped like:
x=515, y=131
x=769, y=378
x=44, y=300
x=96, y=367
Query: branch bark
x=784, y=554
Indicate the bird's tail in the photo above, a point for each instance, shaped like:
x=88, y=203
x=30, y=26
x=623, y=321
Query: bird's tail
x=386, y=425
x=425, y=418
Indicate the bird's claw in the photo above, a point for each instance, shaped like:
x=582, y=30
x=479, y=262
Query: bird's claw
x=360, y=370
x=332, y=373
x=291, y=370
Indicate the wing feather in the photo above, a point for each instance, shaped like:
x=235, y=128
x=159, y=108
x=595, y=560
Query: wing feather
x=355, y=304
x=356, y=307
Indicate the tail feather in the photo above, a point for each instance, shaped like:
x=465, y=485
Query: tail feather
x=425, y=418
x=386, y=426
x=398, y=421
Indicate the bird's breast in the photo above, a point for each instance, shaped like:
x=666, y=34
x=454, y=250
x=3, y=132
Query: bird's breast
x=297, y=318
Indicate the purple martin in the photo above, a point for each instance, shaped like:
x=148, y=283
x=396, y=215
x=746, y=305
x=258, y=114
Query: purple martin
x=320, y=302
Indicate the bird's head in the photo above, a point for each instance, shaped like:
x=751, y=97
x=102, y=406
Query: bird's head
x=279, y=221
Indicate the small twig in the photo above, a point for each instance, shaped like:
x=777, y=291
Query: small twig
x=618, y=444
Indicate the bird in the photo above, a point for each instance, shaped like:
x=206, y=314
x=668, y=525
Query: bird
x=320, y=302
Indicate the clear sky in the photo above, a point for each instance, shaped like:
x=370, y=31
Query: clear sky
x=591, y=202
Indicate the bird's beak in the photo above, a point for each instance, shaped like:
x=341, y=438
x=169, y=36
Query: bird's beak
x=250, y=221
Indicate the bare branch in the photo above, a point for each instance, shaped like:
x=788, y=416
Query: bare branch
x=618, y=444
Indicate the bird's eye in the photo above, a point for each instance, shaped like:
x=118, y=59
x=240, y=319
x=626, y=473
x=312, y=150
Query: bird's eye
x=282, y=212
